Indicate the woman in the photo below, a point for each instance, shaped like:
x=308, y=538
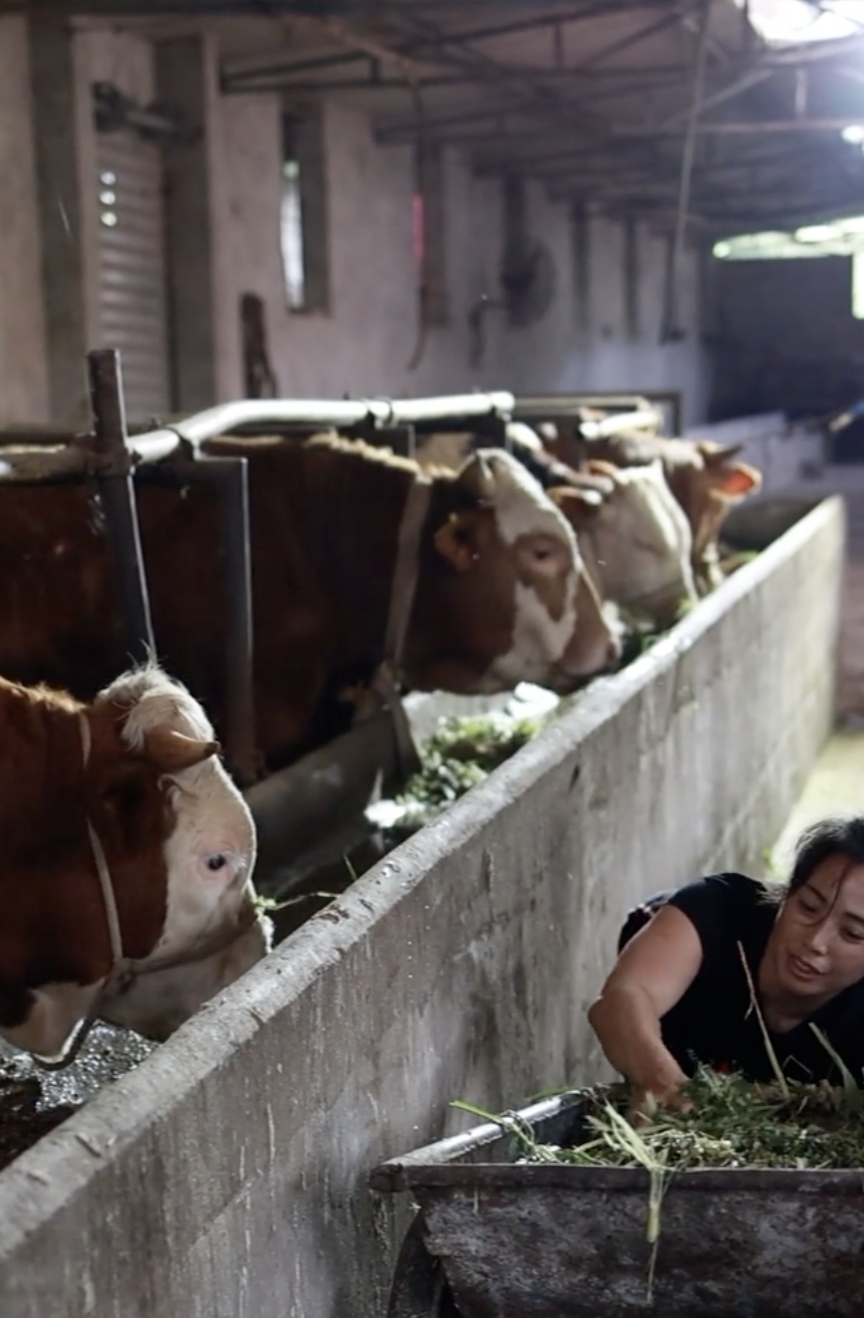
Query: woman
x=679, y=993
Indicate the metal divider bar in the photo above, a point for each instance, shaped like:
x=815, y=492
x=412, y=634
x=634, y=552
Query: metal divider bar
x=113, y=472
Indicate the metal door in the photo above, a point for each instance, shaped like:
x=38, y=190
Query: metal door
x=132, y=268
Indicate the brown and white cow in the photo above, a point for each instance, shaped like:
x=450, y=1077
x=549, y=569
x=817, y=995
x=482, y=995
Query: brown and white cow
x=132, y=778
x=501, y=595
x=632, y=533
x=635, y=539
x=704, y=479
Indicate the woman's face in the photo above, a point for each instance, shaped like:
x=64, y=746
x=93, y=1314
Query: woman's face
x=816, y=948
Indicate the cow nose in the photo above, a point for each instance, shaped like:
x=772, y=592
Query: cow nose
x=614, y=650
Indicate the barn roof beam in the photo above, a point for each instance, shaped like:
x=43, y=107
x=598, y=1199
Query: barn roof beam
x=416, y=45
x=594, y=9
x=727, y=93
x=626, y=43
x=776, y=161
x=742, y=126
x=619, y=82
x=534, y=79
x=547, y=99
x=373, y=82
x=525, y=89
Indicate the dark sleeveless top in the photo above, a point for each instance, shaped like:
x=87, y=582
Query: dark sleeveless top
x=713, y=1022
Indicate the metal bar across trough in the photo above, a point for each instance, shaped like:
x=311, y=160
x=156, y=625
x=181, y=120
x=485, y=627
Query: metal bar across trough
x=258, y=413
x=227, y=1176
x=547, y=407
x=113, y=470
x=230, y=477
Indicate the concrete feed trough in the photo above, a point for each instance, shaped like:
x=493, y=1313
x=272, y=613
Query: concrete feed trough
x=226, y=1176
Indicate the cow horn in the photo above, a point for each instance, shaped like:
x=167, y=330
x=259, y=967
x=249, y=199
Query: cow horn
x=606, y=470
x=715, y=454
x=477, y=476
x=577, y=499
x=172, y=751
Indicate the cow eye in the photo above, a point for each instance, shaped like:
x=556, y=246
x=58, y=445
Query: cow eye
x=543, y=551
x=216, y=862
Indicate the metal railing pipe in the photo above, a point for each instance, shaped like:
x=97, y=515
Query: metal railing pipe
x=113, y=469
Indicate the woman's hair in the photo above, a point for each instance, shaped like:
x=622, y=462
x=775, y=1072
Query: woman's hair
x=830, y=837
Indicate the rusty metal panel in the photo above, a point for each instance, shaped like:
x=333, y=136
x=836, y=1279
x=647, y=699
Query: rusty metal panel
x=558, y=1241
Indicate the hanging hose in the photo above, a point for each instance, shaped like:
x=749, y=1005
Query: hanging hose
x=671, y=330
x=422, y=270
x=340, y=31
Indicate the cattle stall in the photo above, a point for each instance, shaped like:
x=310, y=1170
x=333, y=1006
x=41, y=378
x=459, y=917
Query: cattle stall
x=458, y=967
x=313, y=811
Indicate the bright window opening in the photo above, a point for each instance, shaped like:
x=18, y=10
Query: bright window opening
x=858, y=285
x=840, y=237
x=784, y=21
x=291, y=236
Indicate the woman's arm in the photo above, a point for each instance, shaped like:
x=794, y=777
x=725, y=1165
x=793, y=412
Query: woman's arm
x=652, y=973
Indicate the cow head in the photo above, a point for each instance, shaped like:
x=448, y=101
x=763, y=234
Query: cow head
x=139, y=767
x=635, y=539
x=714, y=487
x=504, y=596
x=703, y=478
x=209, y=856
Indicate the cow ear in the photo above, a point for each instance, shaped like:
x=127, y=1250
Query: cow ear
x=579, y=506
x=172, y=751
x=458, y=540
x=736, y=481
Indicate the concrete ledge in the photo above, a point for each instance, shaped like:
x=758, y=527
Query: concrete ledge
x=225, y=1178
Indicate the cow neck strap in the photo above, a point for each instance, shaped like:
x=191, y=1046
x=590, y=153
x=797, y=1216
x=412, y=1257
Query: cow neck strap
x=108, y=897
x=407, y=569
x=385, y=682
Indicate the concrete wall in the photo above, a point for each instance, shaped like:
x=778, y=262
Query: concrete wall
x=225, y=1178
x=23, y=367
x=365, y=343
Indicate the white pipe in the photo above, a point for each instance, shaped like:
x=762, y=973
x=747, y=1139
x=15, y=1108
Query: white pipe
x=326, y=412
x=613, y=425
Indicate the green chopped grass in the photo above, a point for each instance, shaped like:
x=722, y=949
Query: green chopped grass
x=733, y=1123
x=461, y=754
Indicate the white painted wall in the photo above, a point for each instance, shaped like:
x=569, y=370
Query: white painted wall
x=364, y=345
x=23, y=374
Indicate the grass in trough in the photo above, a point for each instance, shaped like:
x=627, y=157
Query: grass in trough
x=733, y=1124
x=458, y=756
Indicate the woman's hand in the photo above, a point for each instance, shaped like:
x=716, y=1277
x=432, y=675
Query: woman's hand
x=663, y=1090
x=652, y=973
